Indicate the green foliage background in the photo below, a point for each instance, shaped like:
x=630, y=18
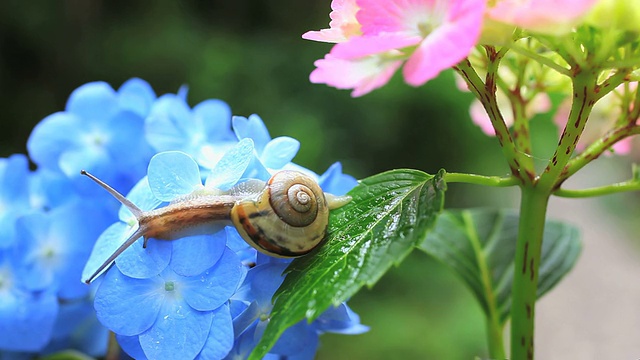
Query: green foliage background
x=250, y=54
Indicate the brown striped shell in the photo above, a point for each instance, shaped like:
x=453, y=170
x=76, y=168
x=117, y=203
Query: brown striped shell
x=287, y=219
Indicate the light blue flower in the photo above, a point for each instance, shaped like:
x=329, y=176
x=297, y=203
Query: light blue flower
x=14, y=196
x=101, y=130
x=172, y=315
x=203, y=132
x=27, y=317
x=271, y=154
x=55, y=245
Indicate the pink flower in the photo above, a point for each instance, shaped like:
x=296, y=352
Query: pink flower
x=343, y=23
x=431, y=35
x=544, y=16
x=362, y=75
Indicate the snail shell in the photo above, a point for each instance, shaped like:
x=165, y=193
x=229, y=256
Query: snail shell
x=287, y=219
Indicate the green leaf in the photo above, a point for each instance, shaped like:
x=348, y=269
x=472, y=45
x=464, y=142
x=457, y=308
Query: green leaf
x=480, y=245
x=389, y=215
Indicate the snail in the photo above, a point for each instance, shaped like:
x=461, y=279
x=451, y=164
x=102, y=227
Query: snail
x=287, y=218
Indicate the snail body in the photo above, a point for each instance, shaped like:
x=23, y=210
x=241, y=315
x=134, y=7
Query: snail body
x=287, y=217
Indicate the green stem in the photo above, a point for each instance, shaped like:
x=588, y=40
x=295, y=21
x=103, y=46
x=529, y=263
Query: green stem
x=494, y=181
x=487, y=96
x=596, y=149
x=630, y=185
x=584, y=86
x=541, y=59
x=533, y=208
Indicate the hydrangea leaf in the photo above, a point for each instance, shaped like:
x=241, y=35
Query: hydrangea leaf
x=390, y=214
x=173, y=174
x=480, y=245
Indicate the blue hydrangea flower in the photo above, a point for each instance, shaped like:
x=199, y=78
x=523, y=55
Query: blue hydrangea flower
x=203, y=132
x=172, y=299
x=271, y=154
x=14, y=196
x=27, y=316
x=297, y=342
x=101, y=130
x=55, y=245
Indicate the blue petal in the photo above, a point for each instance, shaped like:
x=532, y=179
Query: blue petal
x=183, y=92
x=299, y=341
x=215, y=286
x=256, y=170
x=111, y=239
x=131, y=345
x=26, y=320
x=279, y=152
x=220, y=339
x=136, y=95
x=252, y=128
x=264, y=280
x=93, y=159
x=12, y=180
x=173, y=174
x=126, y=144
x=179, y=332
x=49, y=189
x=128, y=306
x=53, y=135
x=335, y=182
x=140, y=263
x=93, y=101
x=167, y=126
x=340, y=320
x=231, y=166
x=194, y=254
x=213, y=118
x=142, y=196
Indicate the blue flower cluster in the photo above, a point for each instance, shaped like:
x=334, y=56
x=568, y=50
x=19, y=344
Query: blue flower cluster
x=200, y=296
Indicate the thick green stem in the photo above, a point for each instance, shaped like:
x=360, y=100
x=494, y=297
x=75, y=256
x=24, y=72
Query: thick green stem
x=584, y=97
x=533, y=208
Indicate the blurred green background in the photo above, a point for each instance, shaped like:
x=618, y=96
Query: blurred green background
x=250, y=54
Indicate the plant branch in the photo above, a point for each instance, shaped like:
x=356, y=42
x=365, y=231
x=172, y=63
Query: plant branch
x=584, y=86
x=495, y=181
x=597, y=148
x=486, y=93
x=541, y=59
x=629, y=185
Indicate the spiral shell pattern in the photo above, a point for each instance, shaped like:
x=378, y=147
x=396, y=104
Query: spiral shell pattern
x=287, y=219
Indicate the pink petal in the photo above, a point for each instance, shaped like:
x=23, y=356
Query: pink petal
x=362, y=75
x=343, y=23
x=448, y=44
x=409, y=17
x=362, y=46
x=545, y=16
x=479, y=117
